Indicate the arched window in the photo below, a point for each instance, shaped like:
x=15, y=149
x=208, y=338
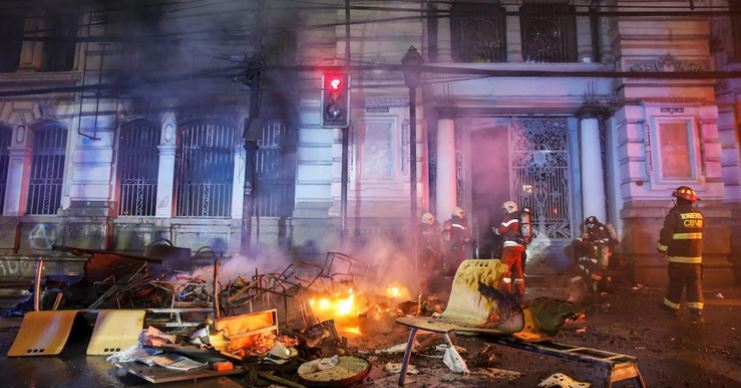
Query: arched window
x=6, y=133
x=204, y=172
x=479, y=32
x=138, y=167
x=47, y=168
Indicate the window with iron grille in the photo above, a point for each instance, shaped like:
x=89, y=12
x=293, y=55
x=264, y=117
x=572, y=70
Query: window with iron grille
x=6, y=133
x=275, y=170
x=478, y=32
x=59, y=48
x=11, y=32
x=47, y=168
x=138, y=167
x=548, y=33
x=204, y=169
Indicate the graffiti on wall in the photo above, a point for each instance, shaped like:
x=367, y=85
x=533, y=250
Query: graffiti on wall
x=17, y=266
x=42, y=237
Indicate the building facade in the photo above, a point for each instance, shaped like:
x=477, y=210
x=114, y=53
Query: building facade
x=120, y=167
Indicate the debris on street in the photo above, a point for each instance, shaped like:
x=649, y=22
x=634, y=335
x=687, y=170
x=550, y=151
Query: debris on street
x=560, y=380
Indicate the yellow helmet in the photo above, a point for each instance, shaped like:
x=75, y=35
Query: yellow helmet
x=458, y=212
x=428, y=218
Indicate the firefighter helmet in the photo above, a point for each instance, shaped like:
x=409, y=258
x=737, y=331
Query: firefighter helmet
x=510, y=206
x=458, y=212
x=428, y=218
x=591, y=220
x=686, y=193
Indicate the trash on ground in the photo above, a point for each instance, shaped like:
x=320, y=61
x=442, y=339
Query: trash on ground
x=505, y=374
x=395, y=368
x=719, y=296
x=560, y=380
x=453, y=360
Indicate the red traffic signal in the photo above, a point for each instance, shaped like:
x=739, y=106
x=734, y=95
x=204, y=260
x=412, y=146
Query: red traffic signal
x=335, y=100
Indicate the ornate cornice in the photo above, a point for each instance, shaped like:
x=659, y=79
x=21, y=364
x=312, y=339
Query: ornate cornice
x=668, y=63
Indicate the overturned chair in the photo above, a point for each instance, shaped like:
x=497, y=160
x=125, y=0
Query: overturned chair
x=476, y=308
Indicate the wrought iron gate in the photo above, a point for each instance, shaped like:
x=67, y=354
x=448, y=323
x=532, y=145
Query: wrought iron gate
x=6, y=133
x=138, y=167
x=275, y=169
x=204, y=169
x=539, y=170
x=47, y=168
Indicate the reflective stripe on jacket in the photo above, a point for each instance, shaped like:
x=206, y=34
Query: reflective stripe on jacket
x=681, y=236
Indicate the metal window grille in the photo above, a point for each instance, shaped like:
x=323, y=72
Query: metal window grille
x=138, y=166
x=275, y=169
x=479, y=33
x=548, y=33
x=6, y=133
x=540, y=171
x=204, y=169
x=11, y=31
x=59, y=50
x=47, y=168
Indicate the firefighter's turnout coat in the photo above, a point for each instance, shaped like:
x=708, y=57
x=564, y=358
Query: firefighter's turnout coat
x=681, y=241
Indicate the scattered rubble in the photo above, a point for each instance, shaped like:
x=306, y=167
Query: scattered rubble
x=560, y=380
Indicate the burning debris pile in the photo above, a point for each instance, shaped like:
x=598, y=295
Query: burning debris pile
x=310, y=323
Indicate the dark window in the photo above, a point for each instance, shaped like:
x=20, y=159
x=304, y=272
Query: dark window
x=47, y=168
x=548, y=33
x=138, y=167
x=59, y=48
x=6, y=133
x=478, y=33
x=204, y=169
x=11, y=32
x=735, y=8
x=275, y=169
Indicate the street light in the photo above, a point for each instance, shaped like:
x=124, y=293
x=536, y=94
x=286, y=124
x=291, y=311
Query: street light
x=412, y=62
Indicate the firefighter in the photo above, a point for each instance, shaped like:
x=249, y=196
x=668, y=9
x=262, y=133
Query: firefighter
x=681, y=241
x=428, y=248
x=512, y=250
x=594, y=250
x=457, y=236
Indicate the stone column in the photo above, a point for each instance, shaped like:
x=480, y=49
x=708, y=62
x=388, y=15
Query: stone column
x=444, y=36
x=514, y=35
x=166, y=172
x=592, y=172
x=445, y=182
x=19, y=167
x=240, y=156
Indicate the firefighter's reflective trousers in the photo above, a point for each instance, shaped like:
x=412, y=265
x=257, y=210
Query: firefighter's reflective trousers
x=683, y=275
x=512, y=256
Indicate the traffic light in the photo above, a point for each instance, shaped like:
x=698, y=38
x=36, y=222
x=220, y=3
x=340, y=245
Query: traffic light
x=335, y=100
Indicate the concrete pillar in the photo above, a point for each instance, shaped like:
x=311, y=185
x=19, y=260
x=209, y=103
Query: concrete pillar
x=166, y=172
x=514, y=35
x=592, y=172
x=19, y=167
x=444, y=36
x=445, y=182
x=240, y=156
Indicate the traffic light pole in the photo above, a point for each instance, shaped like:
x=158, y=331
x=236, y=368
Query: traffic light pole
x=413, y=171
x=345, y=138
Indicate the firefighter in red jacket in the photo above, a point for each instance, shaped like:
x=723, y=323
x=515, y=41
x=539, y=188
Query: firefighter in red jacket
x=681, y=241
x=512, y=250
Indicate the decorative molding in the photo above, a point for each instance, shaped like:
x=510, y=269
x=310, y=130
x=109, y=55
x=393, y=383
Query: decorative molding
x=386, y=102
x=668, y=63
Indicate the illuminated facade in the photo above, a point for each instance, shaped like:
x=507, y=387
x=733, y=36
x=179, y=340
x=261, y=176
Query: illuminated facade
x=123, y=169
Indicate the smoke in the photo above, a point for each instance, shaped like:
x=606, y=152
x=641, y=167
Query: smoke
x=267, y=261
x=390, y=264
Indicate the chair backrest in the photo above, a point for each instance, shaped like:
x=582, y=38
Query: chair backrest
x=467, y=305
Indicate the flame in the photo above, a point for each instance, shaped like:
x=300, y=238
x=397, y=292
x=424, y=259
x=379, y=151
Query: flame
x=352, y=330
x=333, y=308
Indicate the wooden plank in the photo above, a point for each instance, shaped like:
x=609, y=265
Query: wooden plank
x=157, y=374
